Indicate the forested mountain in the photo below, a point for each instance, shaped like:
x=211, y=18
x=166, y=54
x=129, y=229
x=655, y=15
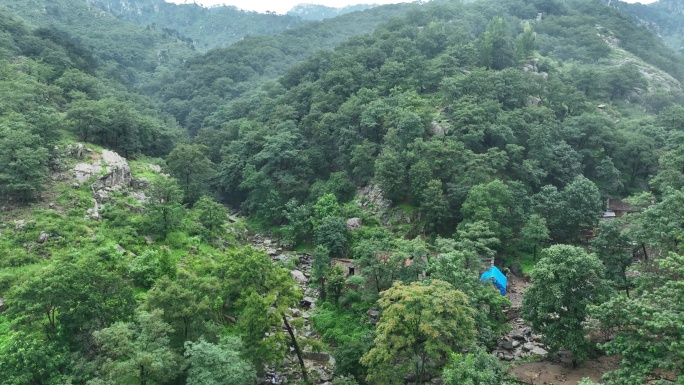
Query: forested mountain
x=320, y=12
x=130, y=52
x=50, y=84
x=665, y=18
x=372, y=178
x=204, y=83
x=216, y=26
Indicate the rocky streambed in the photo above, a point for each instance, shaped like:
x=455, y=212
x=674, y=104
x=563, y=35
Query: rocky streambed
x=319, y=365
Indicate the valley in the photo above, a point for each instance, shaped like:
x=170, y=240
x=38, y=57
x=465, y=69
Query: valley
x=199, y=196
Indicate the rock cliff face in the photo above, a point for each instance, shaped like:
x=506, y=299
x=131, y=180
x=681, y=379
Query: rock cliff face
x=117, y=175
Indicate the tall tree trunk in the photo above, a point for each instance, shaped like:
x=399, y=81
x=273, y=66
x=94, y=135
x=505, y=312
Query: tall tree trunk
x=297, y=350
x=643, y=246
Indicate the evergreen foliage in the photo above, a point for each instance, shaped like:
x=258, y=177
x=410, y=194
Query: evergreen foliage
x=396, y=150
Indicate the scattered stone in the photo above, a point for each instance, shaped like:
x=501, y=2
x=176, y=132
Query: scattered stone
x=19, y=224
x=43, y=237
x=140, y=183
x=354, y=224
x=299, y=277
x=538, y=351
x=154, y=167
x=149, y=239
x=79, y=150
x=308, y=302
x=3, y=307
x=517, y=335
x=508, y=345
x=528, y=346
x=323, y=375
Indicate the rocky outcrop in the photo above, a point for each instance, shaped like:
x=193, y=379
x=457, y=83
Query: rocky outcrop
x=117, y=172
x=84, y=171
x=354, y=224
x=115, y=175
x=372, y=199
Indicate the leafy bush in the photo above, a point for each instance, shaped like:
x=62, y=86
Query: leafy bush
x=145, y=268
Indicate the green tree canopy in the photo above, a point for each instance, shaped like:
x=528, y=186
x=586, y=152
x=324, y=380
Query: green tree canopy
x=421, y=324
x=565, y=282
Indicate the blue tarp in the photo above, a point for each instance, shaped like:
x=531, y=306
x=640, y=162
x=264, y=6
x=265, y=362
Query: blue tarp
x=497, y=277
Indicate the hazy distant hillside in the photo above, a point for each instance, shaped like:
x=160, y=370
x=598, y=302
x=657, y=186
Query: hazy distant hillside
x=320, y=12
x=133, y=52
x=665, y=18
x=206, y=82
x=211, y=27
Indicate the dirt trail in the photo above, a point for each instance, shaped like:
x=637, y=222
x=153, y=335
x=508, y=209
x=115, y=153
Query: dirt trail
x=549, y=373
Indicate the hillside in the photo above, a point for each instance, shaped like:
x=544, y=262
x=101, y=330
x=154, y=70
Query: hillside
x=131, y=53
x=467, y=193
x=317, y=12
x=212, y=27
x=206, y=82
x=664, y=18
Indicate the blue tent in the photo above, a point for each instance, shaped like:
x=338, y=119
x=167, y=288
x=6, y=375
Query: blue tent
x=497, y=277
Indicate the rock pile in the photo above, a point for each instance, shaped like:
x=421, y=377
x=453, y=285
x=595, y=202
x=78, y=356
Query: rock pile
x=266, y=244
x=519, y=343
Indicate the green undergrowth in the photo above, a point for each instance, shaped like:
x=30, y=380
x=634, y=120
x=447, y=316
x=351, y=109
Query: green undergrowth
x=339, y=326
x=525, y=259
x=4, y=334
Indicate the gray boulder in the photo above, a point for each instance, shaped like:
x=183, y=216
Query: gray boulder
x=299, y=277
x=538, y=351
x=118, y=172
x=43, y=237
x=354, y=224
